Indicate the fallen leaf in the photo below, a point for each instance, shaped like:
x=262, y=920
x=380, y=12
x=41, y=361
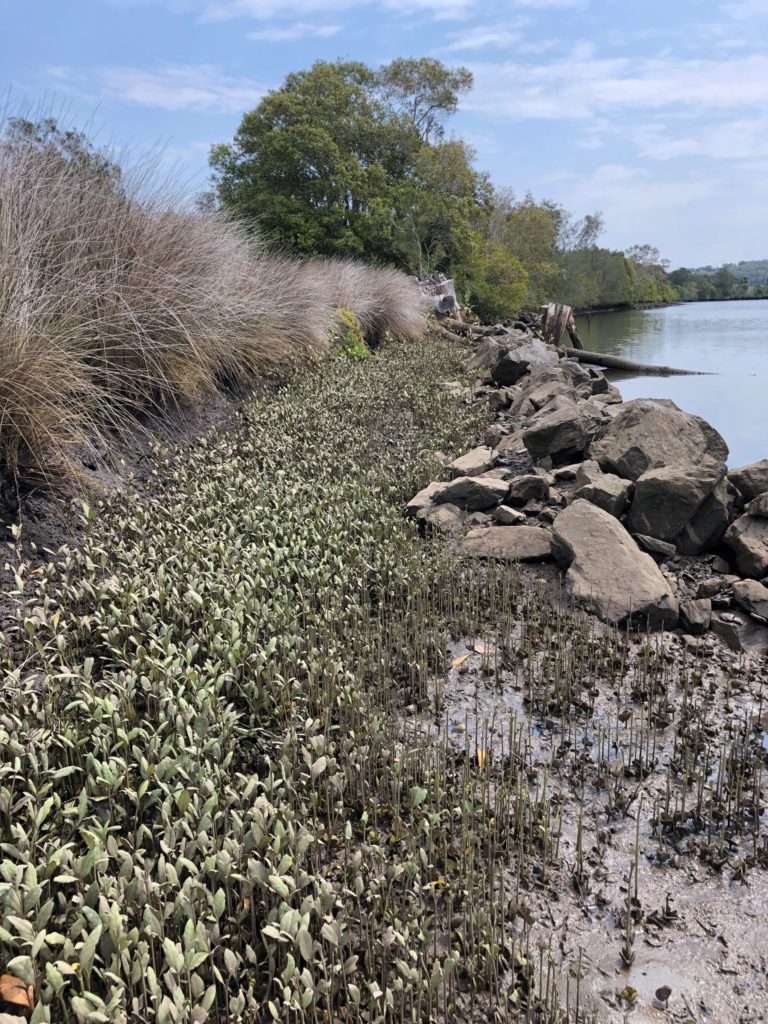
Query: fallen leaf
x=459, y=661
x=482, y=758
x=14, y=991
x=484, y=647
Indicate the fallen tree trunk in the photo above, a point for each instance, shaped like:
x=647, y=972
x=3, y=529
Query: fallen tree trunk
x=609, y=362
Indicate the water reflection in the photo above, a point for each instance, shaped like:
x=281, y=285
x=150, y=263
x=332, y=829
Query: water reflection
x=729, y=339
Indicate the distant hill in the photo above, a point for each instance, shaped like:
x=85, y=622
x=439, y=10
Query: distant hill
x=755, y=271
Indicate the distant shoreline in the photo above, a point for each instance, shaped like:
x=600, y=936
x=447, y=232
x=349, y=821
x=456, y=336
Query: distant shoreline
x=627, y=307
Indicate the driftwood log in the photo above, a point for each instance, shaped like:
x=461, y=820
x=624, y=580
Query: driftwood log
x=557, y=320
x=609, y=362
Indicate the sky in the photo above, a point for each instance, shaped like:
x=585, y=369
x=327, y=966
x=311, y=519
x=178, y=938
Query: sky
x=654, y=112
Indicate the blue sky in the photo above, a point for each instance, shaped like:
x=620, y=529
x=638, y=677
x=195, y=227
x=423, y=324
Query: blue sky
x=654, y=112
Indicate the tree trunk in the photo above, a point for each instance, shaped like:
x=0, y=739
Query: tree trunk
x=609, y=362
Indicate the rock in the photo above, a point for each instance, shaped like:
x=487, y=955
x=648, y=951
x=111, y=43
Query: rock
x=498, y=399
x=695, y=615
x=587, y=473
x=512, y=444
x=567, y=473
x=751, y=480
x=655, y=546
x=517, y=362
x=752, y=596
x=473, y=463
x=560, y=434
x=758, y=506
x=608, y=492
x=739, y=631
x=529, y=487
x=647, y=434
x=472, y=493
x=719, y=564
x=515, y=543
x=710, y=522
x=748, y=539
x=711, y=586
x=506, y=516
x=424, y=498
x=446, y=518
x=493, y=435
x=607, y=571
x=668, y=499
x=487, y=353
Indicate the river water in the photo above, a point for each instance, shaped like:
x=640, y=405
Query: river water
x=727, y=339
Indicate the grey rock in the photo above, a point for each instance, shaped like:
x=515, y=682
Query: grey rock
x=655, y=546
x=695, y=615
x=517, y=361
x=568, y=473
x=751, y=480
x=529, y=487
x=514, y=543
x=472, y=493
x=740, y=631
x=487, y=353
x=607, y=571
x=587, y=473
x=719, y=564
x=561, y=435
x=711, y=586
x=747, y=538
x=707, y=528
x=493, y=435
x=647, y=434
x=511, y=444
x=446, y=518
x=758, y=506
x=498, y=399
x=608, y=492
x=478, y=461
x=424, y=498
x=506, y=516
x=752, y=596
x=673, y=500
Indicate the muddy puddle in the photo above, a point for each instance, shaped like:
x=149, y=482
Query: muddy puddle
x=645, y=759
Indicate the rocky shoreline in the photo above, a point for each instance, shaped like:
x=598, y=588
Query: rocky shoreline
x=632, y=500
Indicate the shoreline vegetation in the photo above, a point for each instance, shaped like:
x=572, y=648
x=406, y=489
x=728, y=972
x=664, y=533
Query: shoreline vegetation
x=275, y=746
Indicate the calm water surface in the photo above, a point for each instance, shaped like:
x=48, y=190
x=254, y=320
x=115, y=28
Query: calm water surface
x=728, y=339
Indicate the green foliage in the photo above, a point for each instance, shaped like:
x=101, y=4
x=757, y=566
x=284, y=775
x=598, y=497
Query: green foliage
x=425, y=90
x=498, y=289
x=204, y=803
x=349, y=337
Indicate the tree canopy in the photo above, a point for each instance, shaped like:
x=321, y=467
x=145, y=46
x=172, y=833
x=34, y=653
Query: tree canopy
x=343, y=159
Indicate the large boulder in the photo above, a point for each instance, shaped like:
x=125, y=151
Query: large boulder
x=752, y=596
x=561, y=434
x=740, y=631
x=607, y=571
x=648, y=434
x=424, y=498
x=748, y=540
x=528, y=487
x=472, y=493
x=511, y=543
x=608, y=491
x=750, y=480
x=669, y=499
x=478, y=461
x=518, y=361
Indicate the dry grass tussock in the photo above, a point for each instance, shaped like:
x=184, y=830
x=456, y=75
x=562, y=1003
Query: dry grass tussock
x=383, y=299
x=113, y=300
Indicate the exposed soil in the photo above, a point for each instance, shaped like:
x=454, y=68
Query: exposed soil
x=640, y=758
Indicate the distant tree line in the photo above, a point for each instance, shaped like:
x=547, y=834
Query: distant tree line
x=346, y=160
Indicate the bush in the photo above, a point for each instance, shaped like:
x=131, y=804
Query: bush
x=498, y=286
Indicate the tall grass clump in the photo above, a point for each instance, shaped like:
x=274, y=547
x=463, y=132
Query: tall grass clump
x=114, y=298
x=384, y=300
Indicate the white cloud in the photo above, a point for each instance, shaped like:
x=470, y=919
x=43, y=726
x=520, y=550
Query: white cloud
x=225, y=10
x=484, y=37
x=202, y=87
x=290, y=33
x=586, y=86
x=733, y=140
